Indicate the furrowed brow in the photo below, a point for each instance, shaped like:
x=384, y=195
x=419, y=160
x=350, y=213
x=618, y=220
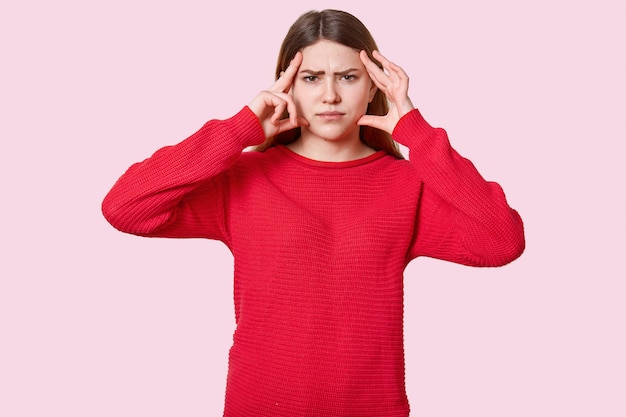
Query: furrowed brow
x=344, y=72
x=311, y=72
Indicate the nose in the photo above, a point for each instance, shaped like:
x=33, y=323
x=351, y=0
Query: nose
x=331, y=95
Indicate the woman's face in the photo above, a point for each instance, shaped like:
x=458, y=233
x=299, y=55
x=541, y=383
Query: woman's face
x=332, y=90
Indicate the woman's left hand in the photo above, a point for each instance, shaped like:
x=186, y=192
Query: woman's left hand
x=395, y=84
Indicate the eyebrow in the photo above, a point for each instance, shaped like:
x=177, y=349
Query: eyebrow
x=344, y=72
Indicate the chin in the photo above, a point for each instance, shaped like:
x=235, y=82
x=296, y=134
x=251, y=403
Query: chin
x=333, y=133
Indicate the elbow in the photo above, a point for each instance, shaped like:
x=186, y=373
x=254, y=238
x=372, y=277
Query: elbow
x=135, y=219
x=511, y=251
x=120, y=216
x=499, y=253
x=510, y=244
x=496, y=246
x=114, y=215
x=517, y=240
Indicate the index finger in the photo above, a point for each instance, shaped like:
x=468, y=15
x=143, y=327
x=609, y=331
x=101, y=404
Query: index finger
x=284, y=82
x=375, y=72
x=394, y=69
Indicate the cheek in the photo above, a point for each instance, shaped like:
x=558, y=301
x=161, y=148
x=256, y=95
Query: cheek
x=297, y=100
x=365, y=100
x=299, y=96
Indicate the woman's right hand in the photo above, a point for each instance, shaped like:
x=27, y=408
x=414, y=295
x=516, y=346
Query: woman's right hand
x=269, y=105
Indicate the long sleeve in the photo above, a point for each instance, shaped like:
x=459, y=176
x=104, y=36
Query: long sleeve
x=461, y=218
x=176, y=192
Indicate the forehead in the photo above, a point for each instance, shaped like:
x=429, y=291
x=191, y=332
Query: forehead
x=324, y=53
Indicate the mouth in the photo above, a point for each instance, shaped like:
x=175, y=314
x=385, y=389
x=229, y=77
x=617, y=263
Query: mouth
x=331, y=115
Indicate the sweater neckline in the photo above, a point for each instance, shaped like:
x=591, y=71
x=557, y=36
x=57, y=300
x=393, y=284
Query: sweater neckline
x=327, y=164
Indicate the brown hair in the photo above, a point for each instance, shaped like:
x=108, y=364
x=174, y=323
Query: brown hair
x=341, y=27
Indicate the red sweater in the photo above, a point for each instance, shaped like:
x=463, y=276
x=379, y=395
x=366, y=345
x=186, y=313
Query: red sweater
x=319, y=251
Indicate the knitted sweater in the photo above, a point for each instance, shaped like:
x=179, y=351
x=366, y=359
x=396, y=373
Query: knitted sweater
x=319, y=251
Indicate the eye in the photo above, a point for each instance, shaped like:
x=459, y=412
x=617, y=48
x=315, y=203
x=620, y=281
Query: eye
x=349, y=77
x=310, y=78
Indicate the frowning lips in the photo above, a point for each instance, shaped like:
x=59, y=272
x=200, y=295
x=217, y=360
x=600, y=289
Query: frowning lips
x=331, y=115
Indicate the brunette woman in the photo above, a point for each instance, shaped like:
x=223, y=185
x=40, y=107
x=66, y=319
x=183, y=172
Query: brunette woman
x=322, y=218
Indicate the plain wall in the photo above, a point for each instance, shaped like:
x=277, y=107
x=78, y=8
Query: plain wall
x=95, y=323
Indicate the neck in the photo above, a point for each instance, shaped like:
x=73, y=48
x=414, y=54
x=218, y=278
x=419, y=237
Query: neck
x=327, y=150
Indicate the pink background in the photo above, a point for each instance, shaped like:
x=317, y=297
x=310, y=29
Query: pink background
x=97, y=323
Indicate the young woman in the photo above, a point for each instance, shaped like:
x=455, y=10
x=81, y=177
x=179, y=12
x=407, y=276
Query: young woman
x=322, y=218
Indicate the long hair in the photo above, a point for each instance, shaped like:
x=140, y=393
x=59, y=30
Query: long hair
x=341, y=27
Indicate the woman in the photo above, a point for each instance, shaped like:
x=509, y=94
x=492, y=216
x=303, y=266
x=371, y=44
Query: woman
x=322, y=220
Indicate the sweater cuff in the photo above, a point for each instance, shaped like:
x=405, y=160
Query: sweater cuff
x=411, y=128
x=246, y=127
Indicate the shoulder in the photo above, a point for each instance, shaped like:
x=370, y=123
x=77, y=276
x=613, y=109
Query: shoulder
x=259, y=157
x=251, y=161
x=400, y=166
